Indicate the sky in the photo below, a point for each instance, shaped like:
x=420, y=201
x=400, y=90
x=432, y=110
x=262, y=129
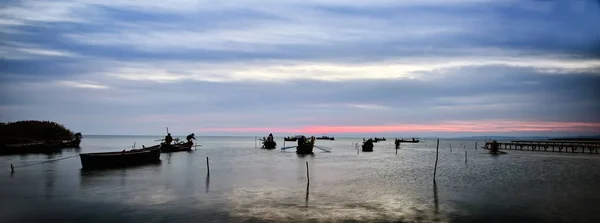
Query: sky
x=251, y=67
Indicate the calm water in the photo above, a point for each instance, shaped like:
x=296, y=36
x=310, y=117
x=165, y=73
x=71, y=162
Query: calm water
x=254, y=185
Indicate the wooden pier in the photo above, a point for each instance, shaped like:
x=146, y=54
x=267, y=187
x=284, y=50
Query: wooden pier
x=590, y=147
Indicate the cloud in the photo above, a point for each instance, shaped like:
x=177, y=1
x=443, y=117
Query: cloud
x=17, y=51
x=346, y=66
x=487, y=126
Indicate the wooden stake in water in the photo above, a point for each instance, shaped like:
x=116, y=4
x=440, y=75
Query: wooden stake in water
x=465, y=156
x=436, y=158
x=475, y=145
x=255, y=138
x=307, y=174
x=12, y=168
x=207, y=166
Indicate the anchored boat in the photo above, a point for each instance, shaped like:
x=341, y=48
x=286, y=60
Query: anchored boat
x=178, y=147
x=367, y=146
x=268, y=142
x=413, y=140
x=120, y=159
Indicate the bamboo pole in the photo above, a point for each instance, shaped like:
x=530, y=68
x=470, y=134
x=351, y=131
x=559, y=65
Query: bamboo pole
x=436, y=158
x=307, y=174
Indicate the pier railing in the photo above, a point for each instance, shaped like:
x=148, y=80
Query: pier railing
x=591, y=147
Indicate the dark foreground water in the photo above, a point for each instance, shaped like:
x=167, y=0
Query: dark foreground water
x=254, y=185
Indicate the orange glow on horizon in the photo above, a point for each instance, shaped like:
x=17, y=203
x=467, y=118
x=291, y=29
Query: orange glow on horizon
x=455, y=126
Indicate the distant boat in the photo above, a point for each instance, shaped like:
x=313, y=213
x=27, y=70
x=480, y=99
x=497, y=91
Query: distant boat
x=324, y=137
x=413, y=140
x=120, y=159
x=177, y=147
x=292, y=138
x=378, y=139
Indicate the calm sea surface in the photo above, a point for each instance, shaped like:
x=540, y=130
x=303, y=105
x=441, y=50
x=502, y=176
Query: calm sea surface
x=247, y=184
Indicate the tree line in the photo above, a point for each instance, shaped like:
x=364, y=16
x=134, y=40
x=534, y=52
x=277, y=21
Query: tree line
x=33, y=130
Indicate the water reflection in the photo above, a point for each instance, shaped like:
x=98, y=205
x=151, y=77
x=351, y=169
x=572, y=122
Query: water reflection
x=207, y=182
x=305, y=155
x=435, y=198
x=49, y=175
x=306, y=199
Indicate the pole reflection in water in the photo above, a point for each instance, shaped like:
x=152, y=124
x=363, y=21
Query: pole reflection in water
x=207, y=183
x=435, y=198
x=49, y=182
x=306, y=199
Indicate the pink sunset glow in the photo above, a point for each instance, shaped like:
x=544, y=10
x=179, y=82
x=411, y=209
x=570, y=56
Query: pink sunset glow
x=456, y=126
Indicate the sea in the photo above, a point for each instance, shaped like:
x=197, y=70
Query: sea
x=239, y=182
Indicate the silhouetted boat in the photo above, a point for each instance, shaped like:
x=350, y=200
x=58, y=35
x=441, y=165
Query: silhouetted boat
x=178, y=147
x=292, y=138
x=268, y=144
x=378, y=139
x=325, y=138
x=305, y=147
x=120, y=159
x=367, y=147
x=413, y=140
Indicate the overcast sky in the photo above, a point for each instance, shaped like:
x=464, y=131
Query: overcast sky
x=339, y=67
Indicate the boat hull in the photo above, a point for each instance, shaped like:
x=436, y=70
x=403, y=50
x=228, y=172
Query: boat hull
x=120, y=159
x=367, y=148
x=269, y=145
x=305, y=149
x=176, y=147
x=408, y=141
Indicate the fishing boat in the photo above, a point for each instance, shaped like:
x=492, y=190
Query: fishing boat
x=379, y=139
x=367, y=145
x=413, y=140
x=292, y=138
x=323, y=137
x=268, y=144
x=120, y=159
x=177, y=147
x=305, y=147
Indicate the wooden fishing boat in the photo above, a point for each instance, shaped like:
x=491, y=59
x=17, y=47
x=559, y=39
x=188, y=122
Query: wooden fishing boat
x=367, y=147
x=325, y=138
x=292, y=138
x=120, y=159
x=305, y=147
x=178, y=147
x=379, y=139
x=269, y=145
x=408, y=140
